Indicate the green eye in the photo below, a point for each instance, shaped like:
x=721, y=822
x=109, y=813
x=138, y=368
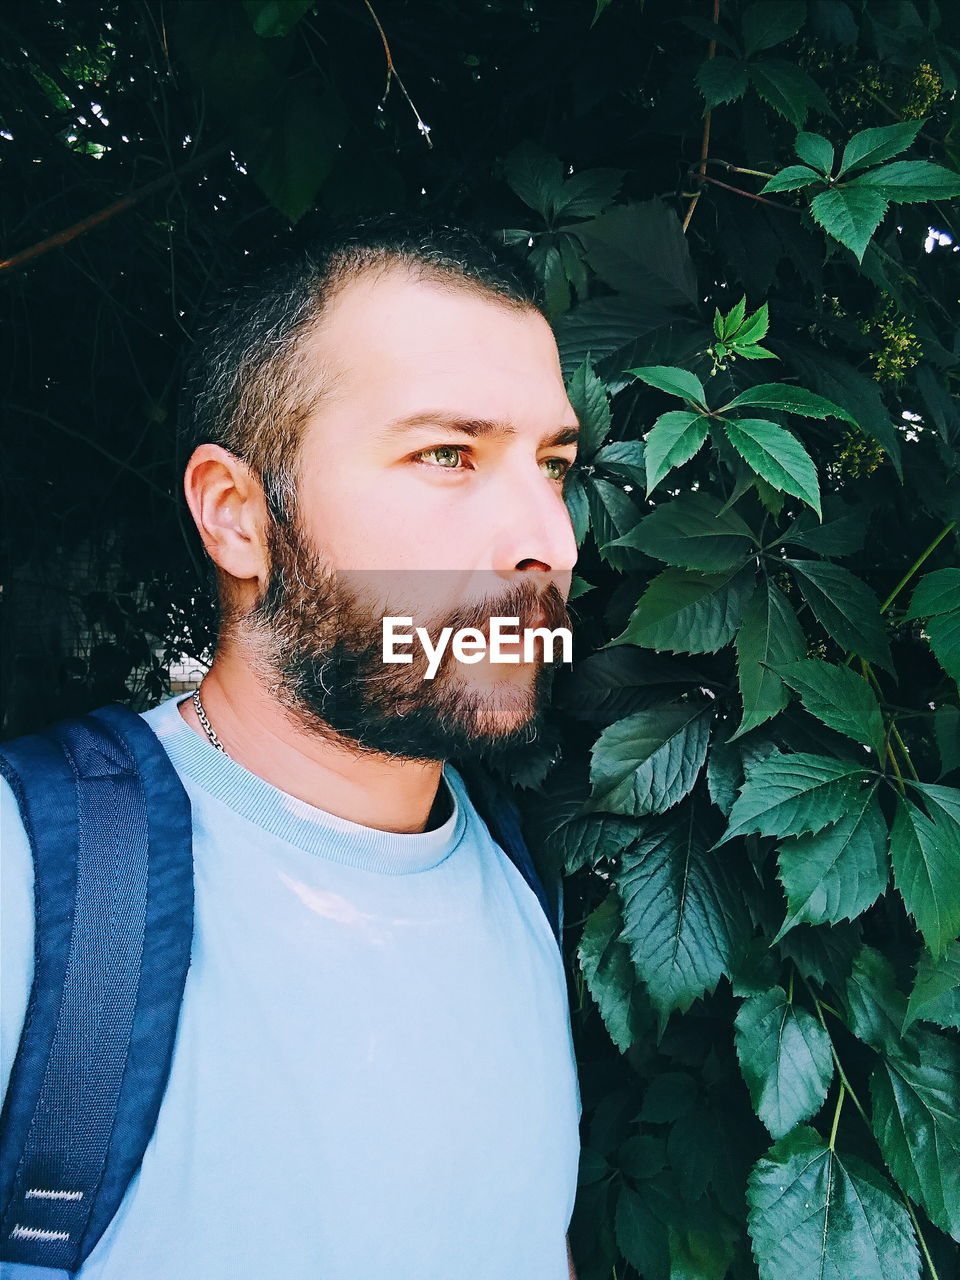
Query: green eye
x=556, y=468
x=445, y=456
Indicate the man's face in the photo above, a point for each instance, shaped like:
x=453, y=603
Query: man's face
x=430, y=486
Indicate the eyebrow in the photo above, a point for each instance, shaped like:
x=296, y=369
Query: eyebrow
x=475, y=427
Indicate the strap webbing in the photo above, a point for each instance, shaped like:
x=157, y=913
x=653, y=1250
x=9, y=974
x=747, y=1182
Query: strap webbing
x=109, y=826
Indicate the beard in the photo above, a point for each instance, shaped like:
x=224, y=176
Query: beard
x=317, y=637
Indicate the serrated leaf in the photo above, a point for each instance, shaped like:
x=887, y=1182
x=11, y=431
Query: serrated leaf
x=612, y=511
x=585, y=841
x=753, y=352
x=611, y=980
x=875, y=1005
x=578, y=507
x=769, y=22
x=585, y=194
x=936, y=991
x=839, y=535
x=770, y=635
x=685, y=612
x=721, y=79
x=851, y=215
x=815, y=1212
x=793, y=178
x=845, y=607
x=785, y=1058
x=624, y=458
x=787, y=399
x=693, y=532
x=753, y=328
x=925, y=855
x=815, y=150
x=839, y=698
x=943, y=632
x=683, y=920
x=946, y=730
x=908, y=181
x=787, y=89
x=873, y=146
x=640, y=250
x=673, y=440
x=535, y=176
x=675, y=381
x=937, y=593
x=641, y=1234
x=588, y=396
x=917, y=1125
x=648, y=762
x=777, y=456
x=725, y=326
x=839, y=872
x=789, y=795
x=822, y=953
x=699, y=1255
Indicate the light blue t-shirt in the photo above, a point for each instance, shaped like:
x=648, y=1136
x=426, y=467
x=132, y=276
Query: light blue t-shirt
x=373, y=1076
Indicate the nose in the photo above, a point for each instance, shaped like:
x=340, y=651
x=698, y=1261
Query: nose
x=533, y=532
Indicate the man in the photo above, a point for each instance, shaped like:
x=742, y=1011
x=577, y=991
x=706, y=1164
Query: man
x=373, y=1074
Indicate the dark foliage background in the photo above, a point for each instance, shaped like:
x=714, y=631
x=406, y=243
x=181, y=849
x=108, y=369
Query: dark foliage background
x=752, y=779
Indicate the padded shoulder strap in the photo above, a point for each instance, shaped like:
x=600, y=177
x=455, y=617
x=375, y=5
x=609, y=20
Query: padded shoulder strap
x=110, y=829
x=503, y=819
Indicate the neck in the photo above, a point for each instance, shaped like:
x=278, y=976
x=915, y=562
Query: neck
x=263, y=736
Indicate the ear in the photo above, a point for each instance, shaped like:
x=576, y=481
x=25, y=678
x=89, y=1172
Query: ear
x=228, y=505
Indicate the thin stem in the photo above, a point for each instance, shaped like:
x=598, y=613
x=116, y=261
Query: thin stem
x=736, y=168
x=934, y=1275
x=819, y=1006
x=705, y=140
x=393, y=74
x=904, y=752
x=896, y=768
x=784, y=208
x=836, y=1115
x=916, y=565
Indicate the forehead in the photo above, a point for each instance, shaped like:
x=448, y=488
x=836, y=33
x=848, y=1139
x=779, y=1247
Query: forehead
x=390, y=343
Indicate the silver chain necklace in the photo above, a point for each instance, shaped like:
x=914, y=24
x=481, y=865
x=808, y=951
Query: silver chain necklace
x=207, y=726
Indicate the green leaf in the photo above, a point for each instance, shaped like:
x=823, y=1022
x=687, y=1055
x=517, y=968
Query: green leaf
x=588, y=396
x=839, y=698
x=753, y=328
x=873, y=146
x=839, y=872
x=777, y=456
x=725, y=326
x=683, y=919
x=624, y=458
x=794, y=178
x=943, y=633
x=936, y=991
x=585, y=194
x=648, y=762
x=785, y=1058
x=272, y=18
x=600, y=327
x=290, y=158
x=908, y=181
x=694, y=532
x=578, y=506
x=946, y=730
x=689, y=612
x=676, y=382
x=641, y=1234
x=673, y=440
x=851, y=215
x=536, y=177
x=875, y=1005
x=640, y=250
x=610, y=976
x=721, y=79
x=816, y=1213
x=787, y=399
x=925, y=854
x=770, y=635
x=612, y=512
x=815, y=150
x=822, y=953
x=917, y=1125
x=789, y=795
x=846, y=609
x=698, y=1255
x=839, y=535
x=787, y=89
x=770, y=22
x=937, y=593
x=585, y=841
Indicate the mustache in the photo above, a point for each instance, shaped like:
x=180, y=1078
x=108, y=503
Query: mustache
x=531, y=605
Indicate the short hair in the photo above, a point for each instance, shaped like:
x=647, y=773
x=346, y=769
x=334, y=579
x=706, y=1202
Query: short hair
x=244, y=388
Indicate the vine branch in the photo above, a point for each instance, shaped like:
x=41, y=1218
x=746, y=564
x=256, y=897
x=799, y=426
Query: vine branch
x=705, y=141
x=393, y=74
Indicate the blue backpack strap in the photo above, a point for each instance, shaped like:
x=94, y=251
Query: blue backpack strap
x=503, y=818
x=111, y=834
